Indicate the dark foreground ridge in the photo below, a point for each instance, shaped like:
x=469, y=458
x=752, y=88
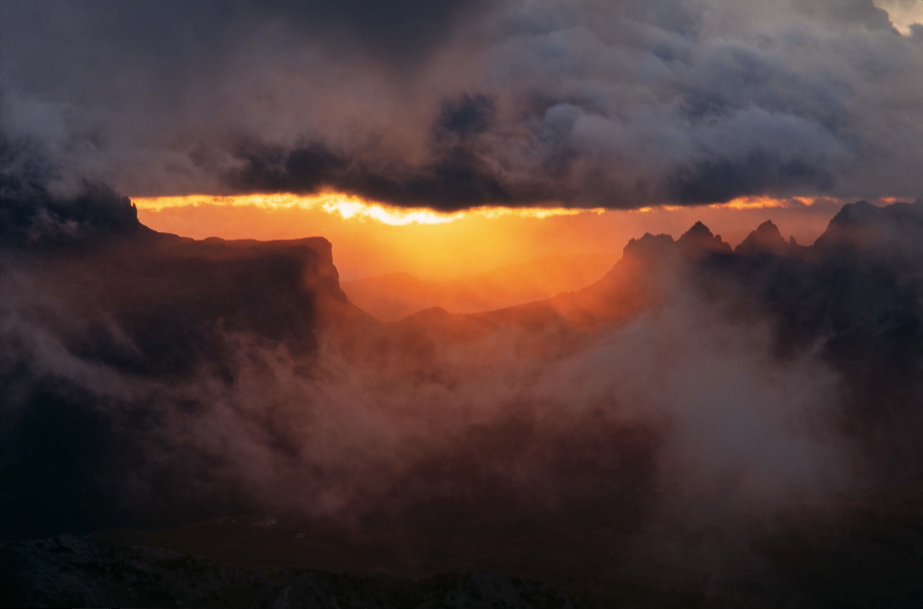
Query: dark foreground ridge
x=70, y=572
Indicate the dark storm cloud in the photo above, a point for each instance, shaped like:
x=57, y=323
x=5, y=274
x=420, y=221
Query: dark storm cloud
x=456, y=104
x=455, y=178
x=725, y=179
x=465, y=117
x=402, y=28
x=172, y=29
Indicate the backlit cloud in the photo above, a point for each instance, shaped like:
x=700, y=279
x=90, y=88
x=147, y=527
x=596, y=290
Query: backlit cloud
x=454, y=105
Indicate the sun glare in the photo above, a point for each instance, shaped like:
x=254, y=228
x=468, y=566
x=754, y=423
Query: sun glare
x=333, y=203
x=768, y=203
x=349, y=207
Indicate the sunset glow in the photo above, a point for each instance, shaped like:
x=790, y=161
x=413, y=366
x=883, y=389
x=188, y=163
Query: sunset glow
x=770, y=203
x=742, y=203
x=349, y=207
x=370, y=238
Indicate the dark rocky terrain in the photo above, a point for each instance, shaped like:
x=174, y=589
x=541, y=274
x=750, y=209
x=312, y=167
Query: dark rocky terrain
x=70, y=572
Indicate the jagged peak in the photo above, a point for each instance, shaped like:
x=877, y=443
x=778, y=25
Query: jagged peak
x=649, y=239
x=648, y=245
x=765, y=239
x=699, y=238
x=768, y=227
x=697, y=229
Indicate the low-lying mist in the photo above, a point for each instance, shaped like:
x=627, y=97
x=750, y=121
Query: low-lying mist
x=681, y=401
x=512, y=423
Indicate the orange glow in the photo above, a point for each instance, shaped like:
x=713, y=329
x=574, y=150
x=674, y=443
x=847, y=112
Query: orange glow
x=349, y=207
x=371, y=239
x=769, y=203
x=748, y=203
x=333, y=203
x=891, y=200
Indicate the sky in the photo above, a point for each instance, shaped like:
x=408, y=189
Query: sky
x=460, y=104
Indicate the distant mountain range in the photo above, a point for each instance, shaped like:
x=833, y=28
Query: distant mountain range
x=396, y=295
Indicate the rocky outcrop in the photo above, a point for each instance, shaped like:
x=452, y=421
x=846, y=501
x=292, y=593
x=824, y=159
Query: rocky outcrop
x=700, y=240
x=32, y=215
x=766, y=239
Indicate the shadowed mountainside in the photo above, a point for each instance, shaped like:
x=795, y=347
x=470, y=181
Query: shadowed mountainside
x=99, y=316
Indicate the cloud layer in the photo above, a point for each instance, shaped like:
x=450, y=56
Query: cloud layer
x=457, y=104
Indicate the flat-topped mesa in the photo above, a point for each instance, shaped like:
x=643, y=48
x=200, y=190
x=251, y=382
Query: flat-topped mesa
x=314, y=255
x=766, y=239
x=699, y=240
x=179, y=303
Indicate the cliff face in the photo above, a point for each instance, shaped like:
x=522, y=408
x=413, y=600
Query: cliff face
x=110, y=330
x=162, y=304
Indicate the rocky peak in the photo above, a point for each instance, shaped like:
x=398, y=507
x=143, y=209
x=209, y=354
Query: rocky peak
x=699, y=239
x=39, y=219
x=33, y=214
x=766, y=239
x=649, y=247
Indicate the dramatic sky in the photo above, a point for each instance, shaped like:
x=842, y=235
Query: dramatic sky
x=454, y=104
